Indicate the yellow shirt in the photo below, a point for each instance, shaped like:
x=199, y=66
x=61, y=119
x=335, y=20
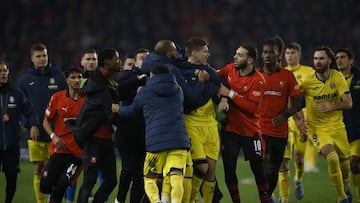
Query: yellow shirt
x=317, y=92
x=202, y=116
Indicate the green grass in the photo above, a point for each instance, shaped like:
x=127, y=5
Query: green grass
x=318, y=187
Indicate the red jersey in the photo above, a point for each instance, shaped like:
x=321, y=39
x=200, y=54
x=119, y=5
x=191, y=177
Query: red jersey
x=280, y=85
x=243, y=117
x=62, y=107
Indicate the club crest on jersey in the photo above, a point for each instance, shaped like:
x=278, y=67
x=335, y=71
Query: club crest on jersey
x=244, y=88
x=281, y=84
x=12, y=99
x=332, y=85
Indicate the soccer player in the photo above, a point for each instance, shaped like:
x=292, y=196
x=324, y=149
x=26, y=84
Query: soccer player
x=13, y=104
x=41, y=80
x=292, y=57
x=327, y=95
x=345, y=61
x=242, y=127
x=65, y=163
x=201, y=123
x=281, y=89
x=161, y=103
x=93, y=127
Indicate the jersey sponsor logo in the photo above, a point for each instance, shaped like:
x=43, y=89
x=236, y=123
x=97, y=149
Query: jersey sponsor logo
x=273, y=93
x=326, y=97
x=256, y=93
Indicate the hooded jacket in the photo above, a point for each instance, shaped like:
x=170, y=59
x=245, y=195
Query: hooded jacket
x=161, y=102
x=14, y=103
x=195, y=95
x=38, y=86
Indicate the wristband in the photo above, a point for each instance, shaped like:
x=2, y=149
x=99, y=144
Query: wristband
x=231, y=94
x=52, y=135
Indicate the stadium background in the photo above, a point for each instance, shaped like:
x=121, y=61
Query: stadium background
x=67, y=27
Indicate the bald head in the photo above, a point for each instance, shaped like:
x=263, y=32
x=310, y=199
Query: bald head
x=165, y=48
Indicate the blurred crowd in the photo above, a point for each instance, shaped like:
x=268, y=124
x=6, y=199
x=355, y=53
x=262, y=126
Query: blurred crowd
x=67, y=27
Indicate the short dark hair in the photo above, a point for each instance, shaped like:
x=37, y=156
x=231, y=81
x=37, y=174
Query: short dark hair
x=159, y=69
x=294, y=45
x=347, y=51
x=104, y=54
x=141, y=50
x=194, y=44
x=277, y=42
x=129, y=55
x=71, y=70
x=88, y=51
x=330, y=54
x=252, y=50
x=37, y=47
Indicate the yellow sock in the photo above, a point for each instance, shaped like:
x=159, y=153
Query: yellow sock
x=335, y=174
x=195, y=187
x=40, y=197
x=284, y=185
x=310, y=154
x=187, y=184
x=151, y=189
x=345, y=171
x=299, y=171
x=207, y=190
x=166, y=189
x=356, y=180
x=177, y=188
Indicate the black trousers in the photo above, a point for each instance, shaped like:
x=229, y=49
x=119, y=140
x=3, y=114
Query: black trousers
x=10, y=165
x=132, y=163
x=98, y=155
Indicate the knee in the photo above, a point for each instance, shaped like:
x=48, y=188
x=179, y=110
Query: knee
x=355, y=165
x=201, y=168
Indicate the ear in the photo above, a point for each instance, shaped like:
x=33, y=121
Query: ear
x=250, y=61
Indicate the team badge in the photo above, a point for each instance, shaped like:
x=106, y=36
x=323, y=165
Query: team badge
x=52, y=81
x=93, y=160
x=11, y=99
x=332, y=85
x=281, y=84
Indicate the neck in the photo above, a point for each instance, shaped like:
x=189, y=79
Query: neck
x=346, y=71
x=324, y=75
x=193, y=61
x=270, y=69
x=74, y=93
x=245, y=71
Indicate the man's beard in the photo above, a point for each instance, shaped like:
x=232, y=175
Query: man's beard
x=241, y=66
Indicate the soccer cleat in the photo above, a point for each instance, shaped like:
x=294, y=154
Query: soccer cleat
x=344, y=201
x=349, y=195
x=299, y=190
x=272, y=199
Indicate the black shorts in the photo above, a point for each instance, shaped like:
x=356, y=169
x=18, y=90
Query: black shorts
x=252, y=146
x=275, y=147
x=10, y=160
x=64, y=168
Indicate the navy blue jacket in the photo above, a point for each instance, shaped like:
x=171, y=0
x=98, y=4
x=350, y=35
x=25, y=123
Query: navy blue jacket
x=190, y=72
x=14, y=103
x=352, y=116
x=194, y=95
x=130, y=132
x=161, y=102
x=38, y=87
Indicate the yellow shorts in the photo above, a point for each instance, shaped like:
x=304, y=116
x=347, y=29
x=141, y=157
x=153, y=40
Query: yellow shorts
x=38, y=151
x=294, y=133
x=334, y=136
x=162, y=162
x=355, y=148
x=205, y=142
